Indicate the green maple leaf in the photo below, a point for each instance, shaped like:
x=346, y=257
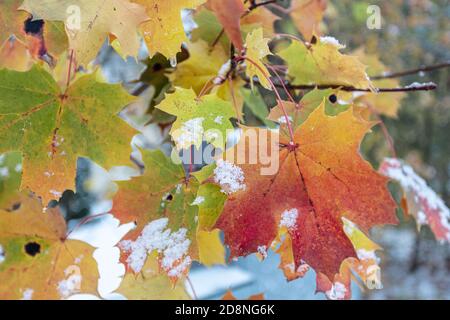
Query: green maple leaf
x=197, y=120
x=52, y=129
x=164, y=195
x=323, y=63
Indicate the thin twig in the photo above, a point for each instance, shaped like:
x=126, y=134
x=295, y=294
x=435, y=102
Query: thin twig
x=423, y=87
x=412, y=71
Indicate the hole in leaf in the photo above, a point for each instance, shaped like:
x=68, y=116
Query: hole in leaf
x=169, y=197
x=33, y=27
x=313, y=40
x=32, y=248
x=14, y=207
x=332, y=98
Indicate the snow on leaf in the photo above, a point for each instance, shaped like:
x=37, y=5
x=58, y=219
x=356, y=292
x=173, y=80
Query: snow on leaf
x=229, y=176
x=164, y=32
x=325, y=162
x=423, y=203
x=97, y=20
x=172, y=246
x=196, y=119
x=52, y=129
x=322, y=63
x=38, y=260
x=257, y=49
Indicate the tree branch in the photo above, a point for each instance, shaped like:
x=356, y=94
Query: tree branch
x=412, y=71
x=414, y=87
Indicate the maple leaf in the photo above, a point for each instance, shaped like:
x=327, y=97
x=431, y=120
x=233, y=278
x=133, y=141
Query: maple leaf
x=256, y=49
x=365, y=267
x=150, y=284
x=321, y=63
x=52, y=128
x=229, y=14
x=14, y=55
x=207, y=119
x=307, y=16
x=204, y=65
x=320, y=181
x=164, y=32
x=36, y=259
x=421, y=201
x=386, y=104
x=96, y=21
x=163, y=200
x=299, y=112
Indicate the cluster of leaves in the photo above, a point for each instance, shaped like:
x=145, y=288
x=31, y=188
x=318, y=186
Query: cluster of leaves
x=315, y=211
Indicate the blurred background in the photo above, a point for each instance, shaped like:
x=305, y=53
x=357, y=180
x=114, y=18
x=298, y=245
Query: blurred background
x=413, y=33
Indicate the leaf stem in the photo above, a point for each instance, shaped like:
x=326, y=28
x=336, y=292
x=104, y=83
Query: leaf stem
x=69, y=72
x=280, y=101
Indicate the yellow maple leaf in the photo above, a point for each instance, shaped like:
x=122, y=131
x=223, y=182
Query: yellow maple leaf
x=257, y=49
x=164, y=32
x=89, y=22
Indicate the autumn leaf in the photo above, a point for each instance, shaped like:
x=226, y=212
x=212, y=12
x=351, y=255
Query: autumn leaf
x=164, y=32
x=52, y=129
x=150, y=284
x=299, y=112
x=257, y=49
x=164, y=203
x=321, y=63
x=319, y=181
x=90, y=22
x=229, y=14
x=386, y=104
x=159, y=202
x=205, y=65
x=307, y=16
x=365, y=267
x=36, y=259
x=422, y=202
x=197, y=120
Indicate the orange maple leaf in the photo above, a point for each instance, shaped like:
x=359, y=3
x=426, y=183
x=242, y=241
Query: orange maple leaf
x=320, y=181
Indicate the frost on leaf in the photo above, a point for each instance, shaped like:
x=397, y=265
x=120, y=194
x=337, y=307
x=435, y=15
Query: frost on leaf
x=229, y=176
x=197, y=118
x=172, y=247
x=38, y=260
x=422, y=202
